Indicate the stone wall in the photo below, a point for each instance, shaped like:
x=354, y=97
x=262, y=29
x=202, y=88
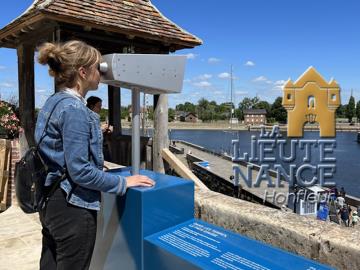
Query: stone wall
x=325, y=242
x=218, y=183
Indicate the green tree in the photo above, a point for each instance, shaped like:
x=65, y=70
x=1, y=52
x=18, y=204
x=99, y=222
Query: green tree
x=341, y=111
x=239, y=114
x=124, y=112
x=171, y=114
x=263, y=105
x=186, y=107
x=207, y=110
x=150, y=112
x=245, y=104
x=350, y=109
x=223, y=111
x=103, y=114
x=278, y=111
x=203, y=103
x=358, y=111
x=213, y=103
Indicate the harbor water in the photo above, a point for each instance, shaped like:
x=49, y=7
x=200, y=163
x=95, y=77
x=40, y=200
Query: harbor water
x=346, y=152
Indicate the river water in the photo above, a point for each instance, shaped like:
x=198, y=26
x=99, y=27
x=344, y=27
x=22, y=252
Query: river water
x=346, y=152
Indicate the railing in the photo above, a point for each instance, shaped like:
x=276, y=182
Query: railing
x=5, y=154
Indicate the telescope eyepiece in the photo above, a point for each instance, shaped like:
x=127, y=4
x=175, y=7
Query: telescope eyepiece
x=103, y=67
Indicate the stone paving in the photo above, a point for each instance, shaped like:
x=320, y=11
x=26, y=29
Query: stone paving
x=20, y=237
x=20, y=240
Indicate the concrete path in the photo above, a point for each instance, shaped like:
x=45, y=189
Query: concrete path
x=20, y=237
x=20, y=240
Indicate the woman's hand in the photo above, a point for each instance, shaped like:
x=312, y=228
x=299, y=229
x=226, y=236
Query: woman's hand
x=139, y=181
x=106, y=128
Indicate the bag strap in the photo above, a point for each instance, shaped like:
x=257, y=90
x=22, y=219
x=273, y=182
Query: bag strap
x=52, y=190
x=63, y=176
x=43, y=135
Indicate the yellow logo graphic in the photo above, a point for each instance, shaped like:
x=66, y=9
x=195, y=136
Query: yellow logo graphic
x=311, y=99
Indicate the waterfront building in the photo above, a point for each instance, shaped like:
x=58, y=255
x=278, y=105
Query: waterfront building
x=191, y=117
x=255, y=116
x=186, y=117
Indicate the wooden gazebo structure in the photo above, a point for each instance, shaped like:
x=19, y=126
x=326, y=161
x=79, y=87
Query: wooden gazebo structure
x=116, y=26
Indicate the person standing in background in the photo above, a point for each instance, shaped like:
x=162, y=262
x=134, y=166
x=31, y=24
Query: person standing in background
x=95, y=104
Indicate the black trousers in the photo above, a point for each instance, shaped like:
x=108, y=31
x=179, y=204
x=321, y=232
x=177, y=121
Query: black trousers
x=68, y=234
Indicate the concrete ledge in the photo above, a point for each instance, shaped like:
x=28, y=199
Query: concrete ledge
x=325, y=242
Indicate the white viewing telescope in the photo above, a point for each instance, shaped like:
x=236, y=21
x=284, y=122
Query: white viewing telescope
x=148, y=73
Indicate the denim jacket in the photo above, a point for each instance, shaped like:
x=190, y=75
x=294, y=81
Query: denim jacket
x=74, y=141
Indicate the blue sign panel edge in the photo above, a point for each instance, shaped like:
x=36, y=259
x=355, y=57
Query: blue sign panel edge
x=243, y=251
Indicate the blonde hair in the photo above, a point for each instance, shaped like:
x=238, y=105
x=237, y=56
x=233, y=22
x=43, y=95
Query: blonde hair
x=64, y=60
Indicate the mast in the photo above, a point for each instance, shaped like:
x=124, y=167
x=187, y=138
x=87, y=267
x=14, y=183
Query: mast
x=231, y=96
x=143, y=115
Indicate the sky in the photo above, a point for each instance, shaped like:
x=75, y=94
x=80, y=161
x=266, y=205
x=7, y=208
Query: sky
x=265, y=42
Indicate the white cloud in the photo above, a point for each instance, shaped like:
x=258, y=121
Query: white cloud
x=249, y=64
x=202, y=84
x=260, y=79
x=7, y=85
x=218, y=92
x=274, y=86
x=241, y=93
x=278, y=85
x=204, y=77
x=213, y=60
x=2, y=67
x=277, y=88
x=280, y=82
x=41, y=90
x=187, y=80
x=190, y=56
x=224, y=75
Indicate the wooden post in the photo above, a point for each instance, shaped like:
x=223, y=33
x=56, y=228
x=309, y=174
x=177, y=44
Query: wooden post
x=114, y=97
x=56, y=38
x=161, y=138
x=25, y=54
x=149, y=159
x=181, y=169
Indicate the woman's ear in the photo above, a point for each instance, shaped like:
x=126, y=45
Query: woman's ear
x=82, y=72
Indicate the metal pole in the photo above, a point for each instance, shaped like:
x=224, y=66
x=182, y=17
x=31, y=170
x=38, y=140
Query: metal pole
x=135, y=139
x=143, y=116
x=231, y=94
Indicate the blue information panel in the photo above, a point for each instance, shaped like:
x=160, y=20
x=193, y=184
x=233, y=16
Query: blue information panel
x=198, y=245
x=124, y=221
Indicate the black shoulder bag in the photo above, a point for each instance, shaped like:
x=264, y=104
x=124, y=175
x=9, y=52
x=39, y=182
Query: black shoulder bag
x=30, y=176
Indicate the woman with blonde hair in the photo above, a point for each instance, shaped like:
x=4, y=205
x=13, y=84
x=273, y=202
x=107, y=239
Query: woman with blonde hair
x=70, y=142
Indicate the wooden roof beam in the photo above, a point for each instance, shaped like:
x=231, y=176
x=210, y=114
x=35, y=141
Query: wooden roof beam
x=27, y=28
x=74, y=21
x=115, y=38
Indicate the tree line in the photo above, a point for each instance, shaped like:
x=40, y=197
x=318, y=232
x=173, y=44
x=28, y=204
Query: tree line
x=275, y=112
x=349, y=111
x=208, y=111
x=211, y=111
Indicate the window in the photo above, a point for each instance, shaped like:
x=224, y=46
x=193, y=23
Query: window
x=311, y=102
